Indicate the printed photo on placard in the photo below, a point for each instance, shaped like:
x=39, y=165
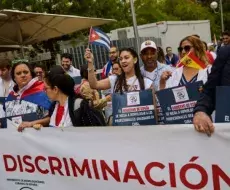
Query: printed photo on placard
x=18, y=119
x=222, y=104
x=177, y=103
x=133, y=108
x=17, y=107
x=19, y=111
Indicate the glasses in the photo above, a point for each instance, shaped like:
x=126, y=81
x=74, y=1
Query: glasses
x=185, y=48
x=115, y=69
x=20, y=61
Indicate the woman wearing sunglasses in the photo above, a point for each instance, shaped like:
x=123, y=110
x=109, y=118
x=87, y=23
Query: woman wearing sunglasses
x=185, y=75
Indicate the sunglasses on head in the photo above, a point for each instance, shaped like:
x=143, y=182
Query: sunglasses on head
x=185, y=48
x=15, y=61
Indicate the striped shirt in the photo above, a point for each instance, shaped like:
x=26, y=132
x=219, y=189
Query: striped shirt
x=184, y=82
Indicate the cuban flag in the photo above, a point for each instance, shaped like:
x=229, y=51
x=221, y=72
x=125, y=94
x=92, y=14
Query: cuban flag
x=100, y=38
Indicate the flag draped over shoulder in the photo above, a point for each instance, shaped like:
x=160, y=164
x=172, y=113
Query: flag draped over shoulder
x=98, y=37
x=190, y=60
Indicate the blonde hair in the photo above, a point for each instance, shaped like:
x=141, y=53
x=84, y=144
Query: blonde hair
x=198, y=48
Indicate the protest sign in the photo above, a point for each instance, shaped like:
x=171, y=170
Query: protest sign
x=2, y=112
x=160, y=114
x=21, y=110
x=222, y=104
x=112, y=158
x=178, y=103
x=133, y=108
x=18, y=119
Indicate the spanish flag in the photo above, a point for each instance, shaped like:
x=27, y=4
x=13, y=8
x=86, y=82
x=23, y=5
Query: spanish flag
x=190, y=60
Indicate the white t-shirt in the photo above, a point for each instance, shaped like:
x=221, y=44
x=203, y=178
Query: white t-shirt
x=133, y=83
x=73, y=72
x=3, y=92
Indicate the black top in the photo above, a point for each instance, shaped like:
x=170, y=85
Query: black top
x=219, y=76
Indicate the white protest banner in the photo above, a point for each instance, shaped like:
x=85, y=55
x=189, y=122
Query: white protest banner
x=112, y=158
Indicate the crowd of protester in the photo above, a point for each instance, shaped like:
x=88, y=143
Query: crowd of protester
x=57, y=101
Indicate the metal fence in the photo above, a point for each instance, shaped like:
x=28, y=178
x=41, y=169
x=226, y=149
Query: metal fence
x=101, y=54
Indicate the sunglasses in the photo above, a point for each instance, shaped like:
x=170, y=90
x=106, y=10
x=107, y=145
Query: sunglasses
x=185, y=48
x=15, y=61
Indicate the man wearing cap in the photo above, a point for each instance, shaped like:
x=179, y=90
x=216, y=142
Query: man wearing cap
x=152, y=69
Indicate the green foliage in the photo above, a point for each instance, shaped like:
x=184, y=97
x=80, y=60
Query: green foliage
x=147, y=11
x=153, y=11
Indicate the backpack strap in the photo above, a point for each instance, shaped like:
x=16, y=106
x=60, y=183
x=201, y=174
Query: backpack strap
x=77, y=103
x=74, y=104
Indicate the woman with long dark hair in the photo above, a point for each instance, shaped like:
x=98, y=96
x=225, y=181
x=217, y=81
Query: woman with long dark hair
x=69, y=109
x=27, y=97
x=130, y=78
x=59, y=87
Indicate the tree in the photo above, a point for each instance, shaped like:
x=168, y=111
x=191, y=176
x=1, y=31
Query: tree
x=226, y=10
x=149, y=11
x=91, y=8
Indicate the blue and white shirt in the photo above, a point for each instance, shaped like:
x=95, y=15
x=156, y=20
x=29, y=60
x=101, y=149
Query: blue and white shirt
x=155, y=75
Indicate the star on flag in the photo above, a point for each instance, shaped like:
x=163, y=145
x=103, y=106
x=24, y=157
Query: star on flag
x=98, y=37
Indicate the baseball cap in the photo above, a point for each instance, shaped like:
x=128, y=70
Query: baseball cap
x=148, y=44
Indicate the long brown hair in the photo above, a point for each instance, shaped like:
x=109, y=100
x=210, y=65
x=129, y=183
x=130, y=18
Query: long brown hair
x=121, y=80
x=198, y=48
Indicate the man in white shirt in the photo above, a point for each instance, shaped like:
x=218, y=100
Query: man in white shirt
x=152, y=69
x=6, y=82
x=66, y=62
